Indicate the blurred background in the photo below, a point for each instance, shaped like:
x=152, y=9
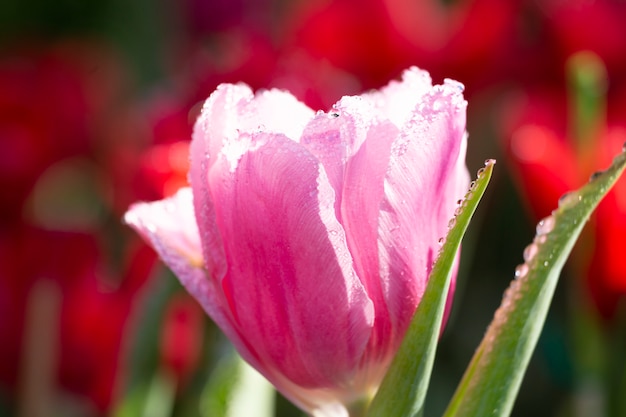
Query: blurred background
x=97, y=102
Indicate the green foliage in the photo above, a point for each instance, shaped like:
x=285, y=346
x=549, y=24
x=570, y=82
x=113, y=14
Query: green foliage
x=493, y=377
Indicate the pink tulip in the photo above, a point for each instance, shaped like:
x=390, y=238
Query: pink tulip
x=308, y=237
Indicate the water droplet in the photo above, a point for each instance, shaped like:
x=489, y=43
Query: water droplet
x=458, y=211
x=453, y=83
x=521, y=271
x=480, y=172
x=546, y=263
x=490, y=162
x=459, y=202
x=514, y=288
x=545, y=225
x=451, y=223
x=169, y=207
x=472, y=186
x=569, y=199
x=440, y=241
x=595, y=175
x=540, y=239
x=530, y=252
x=468, y=196
x=151, y=227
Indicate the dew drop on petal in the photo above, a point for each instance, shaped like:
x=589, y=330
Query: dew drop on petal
x=168, y=207
x=472, y=186
x=440, y=241
x=480, y=172
x=151, y=227
x=453, y=83
x=545, y=225
x=451, y=223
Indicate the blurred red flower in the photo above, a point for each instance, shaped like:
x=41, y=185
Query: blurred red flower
x=68, y=131
x=181, y=336
x=548, y=163
x=91, y=320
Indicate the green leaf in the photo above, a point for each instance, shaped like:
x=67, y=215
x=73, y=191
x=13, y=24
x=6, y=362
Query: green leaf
x=404, y=387
x=493, y=377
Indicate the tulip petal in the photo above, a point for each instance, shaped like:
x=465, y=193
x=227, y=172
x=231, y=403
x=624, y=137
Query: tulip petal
x=287, y=251
x=353, y=146
x=425, y=177
x=229, y=111
x=363, y=190
x=169, y=227
x=398, y=100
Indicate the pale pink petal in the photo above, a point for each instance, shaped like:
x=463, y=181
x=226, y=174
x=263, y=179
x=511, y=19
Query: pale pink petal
x=399, y=100
x=287, y=252
x=353, y=145
x=169, y=227
x=363, y=191
x=230, y=111
x=425, y=178
x=335, y=136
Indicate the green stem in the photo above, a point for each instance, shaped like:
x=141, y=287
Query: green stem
x=616, y=380
x=587, y=88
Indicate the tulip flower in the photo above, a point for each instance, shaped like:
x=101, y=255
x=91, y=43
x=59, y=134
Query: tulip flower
x=308, y=237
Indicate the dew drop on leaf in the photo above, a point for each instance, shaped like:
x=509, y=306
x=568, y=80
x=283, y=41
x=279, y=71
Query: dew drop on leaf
x=569, y=199
x=545, y=225
x=595, y=175
x=521, y=271
x=530, y=252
